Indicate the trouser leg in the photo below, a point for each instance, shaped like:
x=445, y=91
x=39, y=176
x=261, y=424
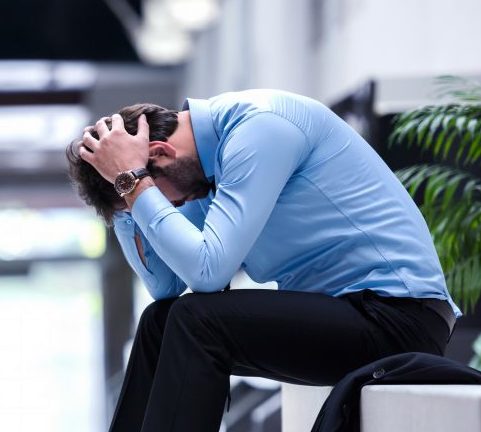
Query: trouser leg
x=290, y=336
x=130, y=410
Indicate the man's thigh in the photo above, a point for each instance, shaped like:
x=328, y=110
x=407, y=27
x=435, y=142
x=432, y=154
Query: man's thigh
x=291, y=336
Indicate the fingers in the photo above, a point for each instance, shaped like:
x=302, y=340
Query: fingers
x=89, y=141
x=101, y=127
x=92, y=128
x=143, y=127
x=117, y=122
x=85, y=154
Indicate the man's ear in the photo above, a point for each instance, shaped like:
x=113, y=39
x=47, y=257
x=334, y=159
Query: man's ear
x=162, y=148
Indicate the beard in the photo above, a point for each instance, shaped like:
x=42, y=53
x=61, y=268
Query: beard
x=186, y=174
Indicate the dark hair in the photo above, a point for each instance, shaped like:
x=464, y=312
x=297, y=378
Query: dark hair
x=90, y=185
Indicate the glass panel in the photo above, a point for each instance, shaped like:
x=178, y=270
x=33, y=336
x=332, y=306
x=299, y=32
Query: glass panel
x=50, y=127
x=50, y=233
x=51, y=349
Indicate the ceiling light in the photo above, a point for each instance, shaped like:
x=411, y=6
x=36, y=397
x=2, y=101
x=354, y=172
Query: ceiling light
x=193, y=15
x=158, y=39
x=162, y=46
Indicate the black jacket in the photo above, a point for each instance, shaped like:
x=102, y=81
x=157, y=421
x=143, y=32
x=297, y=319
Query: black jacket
x=340, y=412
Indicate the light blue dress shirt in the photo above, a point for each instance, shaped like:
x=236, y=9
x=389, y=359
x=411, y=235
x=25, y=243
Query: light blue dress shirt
x=302, y=199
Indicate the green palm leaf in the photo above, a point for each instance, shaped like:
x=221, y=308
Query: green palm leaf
x=464, y=281
x=442, y=128
x=453, y=215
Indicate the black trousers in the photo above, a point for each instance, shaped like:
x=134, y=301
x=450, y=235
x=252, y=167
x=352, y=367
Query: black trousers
x=185, y=349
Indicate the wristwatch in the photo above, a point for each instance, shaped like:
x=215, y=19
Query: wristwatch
x=126, y=181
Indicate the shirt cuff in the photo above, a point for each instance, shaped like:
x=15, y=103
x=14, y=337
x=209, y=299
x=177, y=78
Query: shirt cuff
x=150, y=204
x=123, y=221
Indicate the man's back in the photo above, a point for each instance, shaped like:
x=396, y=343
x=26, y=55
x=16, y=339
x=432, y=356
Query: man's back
x=342, y=221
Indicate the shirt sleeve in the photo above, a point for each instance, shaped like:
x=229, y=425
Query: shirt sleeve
x=259, y=157
x=160, y=281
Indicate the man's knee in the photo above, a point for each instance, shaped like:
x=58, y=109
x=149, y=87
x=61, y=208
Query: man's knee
x=155, y=314
x=186, y=304
x=194, y=318
x=193, y=308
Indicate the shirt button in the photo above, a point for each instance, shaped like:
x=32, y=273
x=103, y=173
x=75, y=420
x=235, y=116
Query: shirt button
x=129, y=221
x=378, y=373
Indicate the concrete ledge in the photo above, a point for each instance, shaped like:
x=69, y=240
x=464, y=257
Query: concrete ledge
x=300, y=406
x=393, y=408
x=421, y=408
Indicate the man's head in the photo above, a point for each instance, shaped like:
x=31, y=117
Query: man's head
x=177, y=173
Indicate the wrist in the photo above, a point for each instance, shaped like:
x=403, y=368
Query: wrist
x=126, y=181
x=143, y=184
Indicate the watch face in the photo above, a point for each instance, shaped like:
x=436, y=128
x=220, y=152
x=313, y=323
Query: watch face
x=124, y=183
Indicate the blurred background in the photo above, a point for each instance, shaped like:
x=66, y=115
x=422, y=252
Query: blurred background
x=69, y=304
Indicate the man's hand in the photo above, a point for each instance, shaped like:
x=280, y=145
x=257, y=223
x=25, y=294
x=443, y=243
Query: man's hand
x=116, y=150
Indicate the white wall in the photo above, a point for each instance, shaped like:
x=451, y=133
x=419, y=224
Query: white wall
x=281, y=50
x=326, y=48
x=257, y=43
x=220, y=59
x=364, y=39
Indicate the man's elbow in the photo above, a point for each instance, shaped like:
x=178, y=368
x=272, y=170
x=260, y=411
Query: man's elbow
x=161, y=292
x=205, y=285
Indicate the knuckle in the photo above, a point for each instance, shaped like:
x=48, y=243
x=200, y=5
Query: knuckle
x=107, y=140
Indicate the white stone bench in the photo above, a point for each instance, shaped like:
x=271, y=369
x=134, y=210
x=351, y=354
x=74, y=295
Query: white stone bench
x=393, y=408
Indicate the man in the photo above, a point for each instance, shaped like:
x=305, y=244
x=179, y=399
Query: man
x=276, y=184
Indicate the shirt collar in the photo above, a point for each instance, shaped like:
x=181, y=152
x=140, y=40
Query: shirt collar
x=205, y=136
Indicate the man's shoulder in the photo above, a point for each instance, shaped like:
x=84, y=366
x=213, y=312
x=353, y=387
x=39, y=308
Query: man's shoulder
x=232, y=108
x=261, y=97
